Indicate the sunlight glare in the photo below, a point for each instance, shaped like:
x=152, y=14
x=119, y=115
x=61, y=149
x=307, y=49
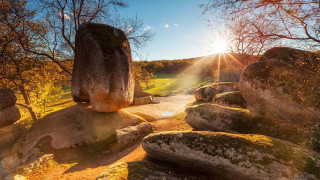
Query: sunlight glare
x=219, y=46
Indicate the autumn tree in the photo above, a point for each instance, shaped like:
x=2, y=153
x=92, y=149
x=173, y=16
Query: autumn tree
x=279, y=21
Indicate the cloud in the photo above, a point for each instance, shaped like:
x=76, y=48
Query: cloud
x=176, y=25
x=65, y=16
x=166, y=26
x=129, y=29
x=147, y=28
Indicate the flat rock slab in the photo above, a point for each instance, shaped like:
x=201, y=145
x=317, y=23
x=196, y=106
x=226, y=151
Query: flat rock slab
x=168, y=107
x=244, y=156
x=148, y=170
x=78, y=125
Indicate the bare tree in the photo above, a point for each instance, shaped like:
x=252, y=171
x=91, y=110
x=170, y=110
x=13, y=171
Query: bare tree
x=283, y=21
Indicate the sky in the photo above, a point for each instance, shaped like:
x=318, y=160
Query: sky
x=180, y=29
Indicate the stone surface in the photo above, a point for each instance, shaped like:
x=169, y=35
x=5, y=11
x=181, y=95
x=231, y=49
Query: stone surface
x=8, y=136
x=216, y=118
x=129, y=135
x=9, y=164
x=102, y=70
x=138, y=92
x=232, y=99
x=78, y=125
x=148, y=170
x=7, y=98
x=168, y=107
x=34, y=164
x=143, y=100
x=243, y=156
x=205, y=93
x=284, y=86
x=9, y=116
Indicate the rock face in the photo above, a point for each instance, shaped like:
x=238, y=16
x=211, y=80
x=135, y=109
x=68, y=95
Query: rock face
x=138, y=92
x=77, y=126
x=216, y=118
x=232, y=99
x=9, y=135
x=7, y=98
x=205, y=93
x=148, y=170
x=9, y=116
x=284, y=84
x=102, y=70
x=233, y=155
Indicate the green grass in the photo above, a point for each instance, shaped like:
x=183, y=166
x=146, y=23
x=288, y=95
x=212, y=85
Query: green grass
x=166, y=84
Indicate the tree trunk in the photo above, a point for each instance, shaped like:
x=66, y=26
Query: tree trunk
x=27, y=102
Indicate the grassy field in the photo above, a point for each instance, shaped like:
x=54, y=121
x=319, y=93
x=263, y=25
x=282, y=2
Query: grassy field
x=165, y=84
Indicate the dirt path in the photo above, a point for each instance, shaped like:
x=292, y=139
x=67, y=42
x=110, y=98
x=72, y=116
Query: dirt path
x=91, y=168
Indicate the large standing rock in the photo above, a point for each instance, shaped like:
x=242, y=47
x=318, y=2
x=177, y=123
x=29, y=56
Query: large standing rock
x=7, y=98
x=102, y=71
x=284, y=84
x=76, y=126
x=9, y=116
x=243, y=156
x=213, y=117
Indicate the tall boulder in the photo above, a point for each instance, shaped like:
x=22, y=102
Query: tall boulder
x=284, y=84
x=102, y=70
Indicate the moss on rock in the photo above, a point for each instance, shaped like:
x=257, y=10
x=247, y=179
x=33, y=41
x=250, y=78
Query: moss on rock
x=245, y=155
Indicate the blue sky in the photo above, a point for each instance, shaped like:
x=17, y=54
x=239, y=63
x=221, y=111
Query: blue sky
x=181, y=30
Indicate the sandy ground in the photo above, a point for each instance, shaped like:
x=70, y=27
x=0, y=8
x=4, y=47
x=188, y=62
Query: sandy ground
x=168, y=107
x=91, y=168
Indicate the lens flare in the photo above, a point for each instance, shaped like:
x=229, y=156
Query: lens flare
x=219, y=46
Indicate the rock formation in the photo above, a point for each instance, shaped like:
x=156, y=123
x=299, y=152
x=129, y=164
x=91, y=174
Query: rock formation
x=207, y=92
x=284, y=84
x=102, y=71
x=79, y=125
x=232, y=99
x=244, y=156
x=9, y=114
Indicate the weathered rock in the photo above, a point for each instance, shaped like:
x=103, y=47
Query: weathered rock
x=34, y=164
x=129, y=135
x=9, y=116
x=223, y=87
x=232, y=99
x=213, y=117
x=284, y=86
x=8, y=136
x=102, y=71
x=243, y=156
x=205, y=93
x=77, y=126
x=9, y=164
x=138, y=92
x=143, y=100
x=149, y=170
x=7, y=98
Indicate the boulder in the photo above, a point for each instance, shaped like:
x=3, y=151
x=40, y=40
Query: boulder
x=7, y=98
x=77, y=125
x=9, y=116
x=216, y=118
x=244, y=156
x=205, y=93
x=149, y=170
x=9, y=164
x=35, y=163
x=8, y=136
x=129, y=135
x=223, y=87
x=102, y=70
x=143, y=100
x=138, y=92
x=232, y=99
x=284, y=84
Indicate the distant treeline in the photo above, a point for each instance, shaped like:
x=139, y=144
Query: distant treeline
x=205, y=66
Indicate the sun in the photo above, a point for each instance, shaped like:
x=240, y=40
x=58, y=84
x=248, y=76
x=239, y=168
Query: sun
x=219, y=46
